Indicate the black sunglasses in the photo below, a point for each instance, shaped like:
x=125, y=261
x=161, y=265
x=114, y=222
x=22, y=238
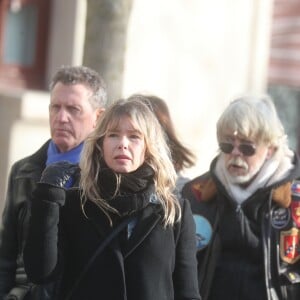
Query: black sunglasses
x=245, y=149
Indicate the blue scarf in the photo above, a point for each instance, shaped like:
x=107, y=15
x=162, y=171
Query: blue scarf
x=72, y=156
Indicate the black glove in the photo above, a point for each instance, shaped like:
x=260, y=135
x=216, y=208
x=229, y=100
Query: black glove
x=58, y=174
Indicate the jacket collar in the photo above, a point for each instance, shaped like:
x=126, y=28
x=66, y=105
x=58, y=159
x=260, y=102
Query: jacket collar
x=281, y=192
x=281, y=195
x=34, y=163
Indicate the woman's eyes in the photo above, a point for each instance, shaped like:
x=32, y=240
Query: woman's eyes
x=112, y=135
x=135, y=136
x=130, y=136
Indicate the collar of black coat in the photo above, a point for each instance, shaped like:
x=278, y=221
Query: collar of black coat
x=206, y=190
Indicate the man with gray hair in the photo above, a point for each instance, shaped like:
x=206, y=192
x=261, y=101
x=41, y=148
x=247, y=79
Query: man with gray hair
x=77, y=99
x=247, y=208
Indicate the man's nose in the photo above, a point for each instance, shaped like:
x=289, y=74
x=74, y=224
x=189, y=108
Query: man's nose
x=62, y=115
x=236, y=150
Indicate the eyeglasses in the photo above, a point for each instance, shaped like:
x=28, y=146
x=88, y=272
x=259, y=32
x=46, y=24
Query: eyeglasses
x=245, y=149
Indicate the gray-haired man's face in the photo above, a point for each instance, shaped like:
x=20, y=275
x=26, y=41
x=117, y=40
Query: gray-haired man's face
x=243, y=158
x=72, y=117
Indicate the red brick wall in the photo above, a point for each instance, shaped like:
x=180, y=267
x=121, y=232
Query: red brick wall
x=284, y=66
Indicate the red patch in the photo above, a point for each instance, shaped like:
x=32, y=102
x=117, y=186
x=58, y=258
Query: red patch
x=290, y=245
x=196, y=188
x=295, y=208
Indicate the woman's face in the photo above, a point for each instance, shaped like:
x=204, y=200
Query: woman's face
x=124, y=147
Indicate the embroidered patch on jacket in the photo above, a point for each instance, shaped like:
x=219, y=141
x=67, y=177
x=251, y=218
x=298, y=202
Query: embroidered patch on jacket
x=197, y=188
x=296, y=188
x=295, y=208
x=203, y=231
x=293, y=277
x=290, y=245
x=295, y=204
x=280, y=217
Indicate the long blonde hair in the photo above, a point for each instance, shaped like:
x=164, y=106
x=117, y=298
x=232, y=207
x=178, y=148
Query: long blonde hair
x=157, y=156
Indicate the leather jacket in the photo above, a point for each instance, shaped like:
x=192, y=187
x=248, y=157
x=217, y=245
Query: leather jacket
x=261, y=235
x=22, y=181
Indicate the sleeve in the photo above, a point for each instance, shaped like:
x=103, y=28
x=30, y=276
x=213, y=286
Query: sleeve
x=43, y=252
x=185, y=274
x=8, y=242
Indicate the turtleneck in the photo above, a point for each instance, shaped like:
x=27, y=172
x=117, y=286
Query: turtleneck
x=134, y=191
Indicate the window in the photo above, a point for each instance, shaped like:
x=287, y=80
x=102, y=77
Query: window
x=23, y=42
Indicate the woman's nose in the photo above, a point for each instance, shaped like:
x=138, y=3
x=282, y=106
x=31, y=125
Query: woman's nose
x=123, y=143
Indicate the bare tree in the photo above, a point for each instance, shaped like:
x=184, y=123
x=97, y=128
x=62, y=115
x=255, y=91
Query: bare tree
x=105, y=43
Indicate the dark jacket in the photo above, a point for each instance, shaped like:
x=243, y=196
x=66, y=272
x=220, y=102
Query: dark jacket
x=155, y=263
x=254, y=249
x=22, y=181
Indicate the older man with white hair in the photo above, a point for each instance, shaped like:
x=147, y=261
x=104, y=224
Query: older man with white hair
x=247, y=208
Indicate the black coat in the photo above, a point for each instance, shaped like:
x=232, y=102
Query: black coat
x=22, y=181
x=155, y=263
x=243, y=258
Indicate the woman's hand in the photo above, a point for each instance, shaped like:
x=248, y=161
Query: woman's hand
x=58, y=174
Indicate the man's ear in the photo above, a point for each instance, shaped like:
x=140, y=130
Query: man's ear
x=99, y=112
x=271, y=150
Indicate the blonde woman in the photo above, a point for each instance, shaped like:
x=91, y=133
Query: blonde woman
x=127, y=177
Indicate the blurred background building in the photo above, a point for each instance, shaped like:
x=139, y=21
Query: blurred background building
x=197, y=55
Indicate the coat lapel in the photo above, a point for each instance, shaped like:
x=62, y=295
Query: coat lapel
x=146, y=221
x=98, y=219
x=150, y=216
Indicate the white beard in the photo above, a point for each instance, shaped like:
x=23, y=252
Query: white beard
x=241, y=179
x=264, y=174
